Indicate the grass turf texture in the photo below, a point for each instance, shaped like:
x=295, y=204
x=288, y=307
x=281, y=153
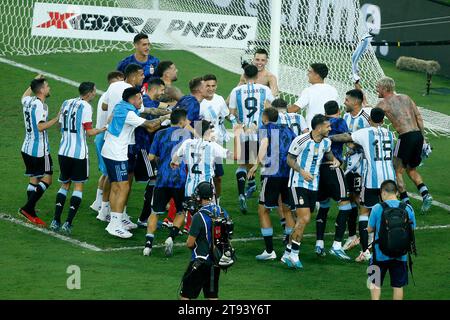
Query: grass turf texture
x=135, y=277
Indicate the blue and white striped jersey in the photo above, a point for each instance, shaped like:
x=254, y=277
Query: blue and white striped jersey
x=35, y=143
x=309, y=156
x=361, y=120
x=199, y=155
x=378, y=143
x=295, y=121
x=249, y=100
x=75, y=113
x=355, y=160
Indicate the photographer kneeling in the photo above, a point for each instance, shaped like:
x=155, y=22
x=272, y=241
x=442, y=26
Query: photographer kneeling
x=209, y=236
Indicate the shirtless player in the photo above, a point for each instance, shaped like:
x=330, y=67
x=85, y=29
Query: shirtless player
x=406, y=119
x=260, y=60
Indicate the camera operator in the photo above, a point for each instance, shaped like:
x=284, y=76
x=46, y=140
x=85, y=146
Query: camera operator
x=208, y=239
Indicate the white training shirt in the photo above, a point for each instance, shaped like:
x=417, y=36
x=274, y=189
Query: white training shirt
x=74, y=114
x=116, y=147
x=215, y=111
x=199, y=155
x=378, y=144
x=102, y=116
x=113, y=95
x=309, y=157
x=313, y=99
x=35, y=143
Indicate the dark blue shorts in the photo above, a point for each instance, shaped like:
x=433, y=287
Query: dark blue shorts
x=117, y=170
x=218, y=170
x=398, y=272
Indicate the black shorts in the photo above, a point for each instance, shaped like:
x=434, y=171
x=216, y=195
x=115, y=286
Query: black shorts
x=249, y=152
x=398, y=272
x=132, y=158
x=37, y=166
x=409, y=148
x=71, y=169
x=354, y=182
x=206, y=277
x=271, y=189
x=370, y=197
x=144, y=169
x=332, y=184
x=303, y=198
x=162, y=196
x=218, y=170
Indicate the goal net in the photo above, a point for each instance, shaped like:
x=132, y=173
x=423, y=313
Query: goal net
x=326, y=31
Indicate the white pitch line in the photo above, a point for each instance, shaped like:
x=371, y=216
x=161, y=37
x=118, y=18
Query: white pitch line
x=436, y=203
x=308, y=235
x=92, y=247
x=46, y=74
x=78, y=243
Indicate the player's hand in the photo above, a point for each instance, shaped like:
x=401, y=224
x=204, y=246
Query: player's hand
x=306, y=175
x=102, y=129
x=174, y=165
x=335, y=164
x=252, y=171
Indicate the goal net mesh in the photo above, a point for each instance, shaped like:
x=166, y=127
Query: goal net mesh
x=326, y=31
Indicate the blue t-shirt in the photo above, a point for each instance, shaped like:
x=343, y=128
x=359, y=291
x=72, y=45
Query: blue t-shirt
x=338, y=126
x=201, y=229
x=165, y=143
x=143, y=138
x=375, y=222
x=192, y=107
x=149, y=66
x=276, y=160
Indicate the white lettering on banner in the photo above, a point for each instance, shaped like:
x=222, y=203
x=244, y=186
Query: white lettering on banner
x=122, y=24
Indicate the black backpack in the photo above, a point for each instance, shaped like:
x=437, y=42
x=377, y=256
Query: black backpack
x=395, y=237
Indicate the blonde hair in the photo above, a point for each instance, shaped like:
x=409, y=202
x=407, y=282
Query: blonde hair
x=386, y=83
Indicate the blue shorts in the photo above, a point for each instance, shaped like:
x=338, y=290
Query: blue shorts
x=398, y=272
x=99, y=142
x=117, y=170
x=218, y=170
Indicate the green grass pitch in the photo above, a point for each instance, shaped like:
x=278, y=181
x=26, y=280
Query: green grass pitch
x=33, y=265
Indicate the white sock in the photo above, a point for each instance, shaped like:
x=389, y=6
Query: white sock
x=337, y=245
x=352, y=238
x=105, y=207
x=116, y=218
x=125, y=210
x=320, y=243
x=98, y=199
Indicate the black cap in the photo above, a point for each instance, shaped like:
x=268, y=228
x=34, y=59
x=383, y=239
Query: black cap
x=205, y=190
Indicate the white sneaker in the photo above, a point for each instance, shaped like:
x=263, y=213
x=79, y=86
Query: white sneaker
x=103, y=216
x=284, y=257
x=128, y=224
x=363, y=256
x=350, y=243
x=147, y=251
x=169, y=247
x=96, y=206
x=266, y=256
x=118, y=231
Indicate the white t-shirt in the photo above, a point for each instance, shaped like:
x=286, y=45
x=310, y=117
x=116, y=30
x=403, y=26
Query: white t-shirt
x=215, y=111
x=313, y=98
x=102, y=116
x=116, y=147
x=113, y=95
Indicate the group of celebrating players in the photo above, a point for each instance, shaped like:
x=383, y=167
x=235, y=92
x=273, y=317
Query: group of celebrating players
x=148, y=131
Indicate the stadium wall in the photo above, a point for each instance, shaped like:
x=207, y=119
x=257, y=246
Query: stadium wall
x=396, y=19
